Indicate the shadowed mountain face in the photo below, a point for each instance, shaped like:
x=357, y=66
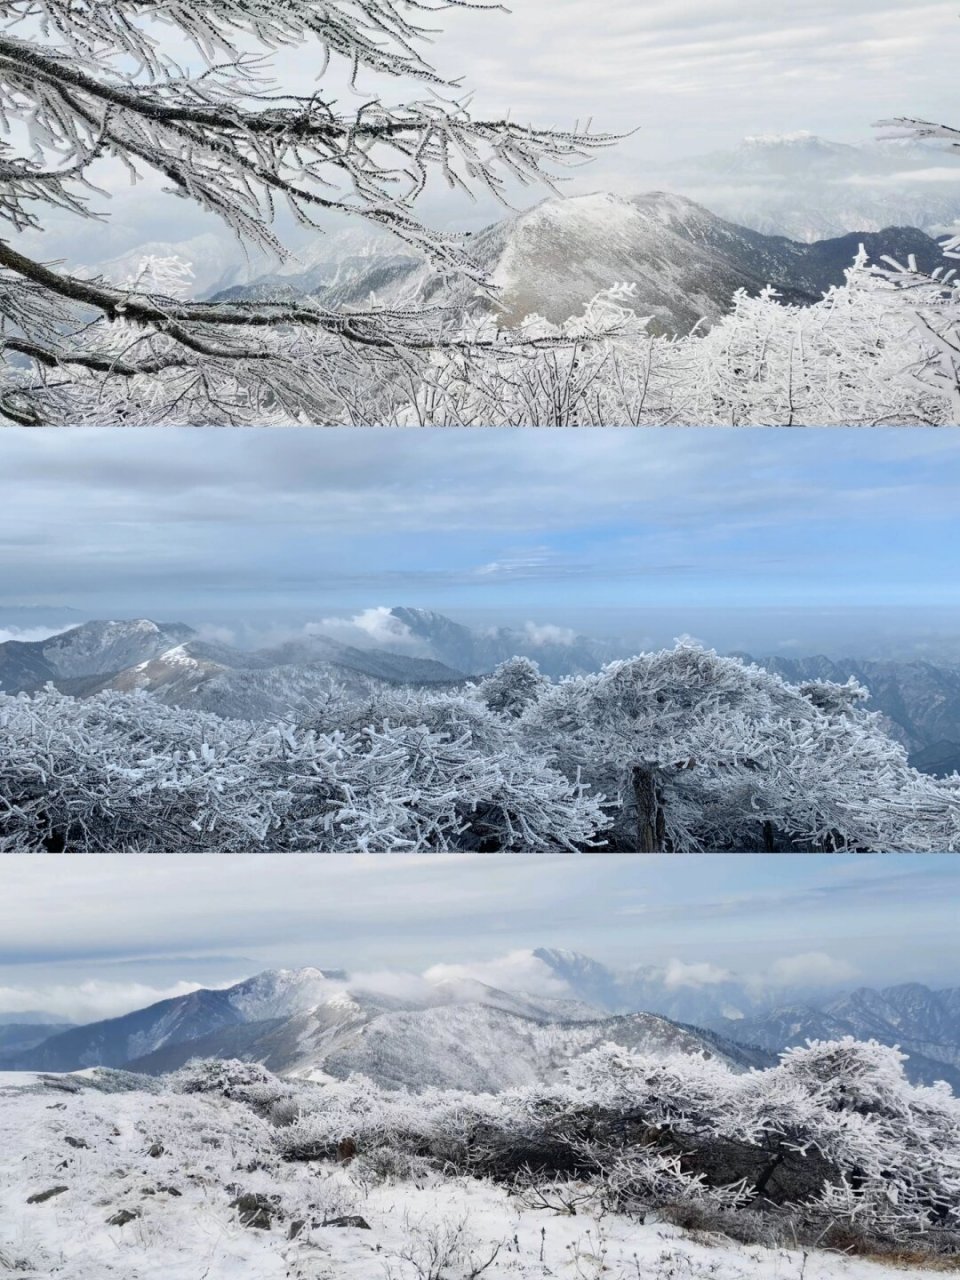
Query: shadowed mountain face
x=16, y=1037
x=454, y=1035
x=685, y=262
x=89, y=650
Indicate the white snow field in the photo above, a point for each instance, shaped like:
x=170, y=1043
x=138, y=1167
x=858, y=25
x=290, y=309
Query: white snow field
x=144, y=1184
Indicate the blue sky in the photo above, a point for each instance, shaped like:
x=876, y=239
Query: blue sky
x=526, y=525
x=101, y=934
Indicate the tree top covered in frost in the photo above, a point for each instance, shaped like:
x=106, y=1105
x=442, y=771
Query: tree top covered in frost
x=676, y=751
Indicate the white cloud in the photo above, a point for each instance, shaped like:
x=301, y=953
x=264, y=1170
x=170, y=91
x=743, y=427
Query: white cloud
x=698, y=974
x=28, y=634
x=547, y=633
x=376, y=626
x=906, y=178
x=216, y=634
x=516, y=971
x=812, y=968
x=92, y=1000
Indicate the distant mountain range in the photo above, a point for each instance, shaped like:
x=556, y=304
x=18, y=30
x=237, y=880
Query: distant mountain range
x=809, y=188
x=557, y=651
x=920, y=701
x=924, y=1023
x=796, y=185
x=685, y=262
x=462, y=1033
x=170, y=661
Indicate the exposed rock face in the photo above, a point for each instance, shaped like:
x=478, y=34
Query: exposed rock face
x=39, y=1197
x=254, y=1210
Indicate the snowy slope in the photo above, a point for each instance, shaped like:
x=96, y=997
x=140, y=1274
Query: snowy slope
x=685, y=261
x=171, y=1168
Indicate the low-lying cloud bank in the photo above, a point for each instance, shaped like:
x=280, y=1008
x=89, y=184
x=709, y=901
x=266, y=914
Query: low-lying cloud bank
x=519, y=971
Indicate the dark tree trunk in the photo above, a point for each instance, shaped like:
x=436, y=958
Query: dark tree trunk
x=651, y=822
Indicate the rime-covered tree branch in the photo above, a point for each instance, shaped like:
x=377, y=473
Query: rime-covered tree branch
x=86, y=83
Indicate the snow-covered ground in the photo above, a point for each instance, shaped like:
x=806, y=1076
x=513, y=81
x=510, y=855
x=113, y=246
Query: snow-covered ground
x=169, y=1169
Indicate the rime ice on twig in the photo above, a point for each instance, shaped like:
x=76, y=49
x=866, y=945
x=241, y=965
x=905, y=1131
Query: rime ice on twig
x=91, y=82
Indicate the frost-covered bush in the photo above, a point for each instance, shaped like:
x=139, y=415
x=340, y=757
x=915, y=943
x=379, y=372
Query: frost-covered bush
x=859, y=357
x=123, y=772
x=247, y=1082
x=387, y=1164
x=513, y=686
x=833, y=1137
x=679, y=751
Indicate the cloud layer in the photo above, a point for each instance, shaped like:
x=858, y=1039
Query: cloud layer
x=160, y=520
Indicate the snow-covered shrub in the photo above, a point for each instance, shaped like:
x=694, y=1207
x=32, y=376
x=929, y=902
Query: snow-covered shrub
x=359, y=1112
x=836, y=1127
x=247, y=1082
x=120, y=772
x=440, y=1248
x=513, y=686
x=833, y=1136
x=387, y=1164
x=859, y=357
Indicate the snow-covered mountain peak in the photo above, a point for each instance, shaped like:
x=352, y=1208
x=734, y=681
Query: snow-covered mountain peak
x=101, y=647
x=280, y=993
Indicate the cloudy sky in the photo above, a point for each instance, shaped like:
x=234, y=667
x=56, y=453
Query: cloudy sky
x=94, y=936
x=690, y=76
x=653, y=532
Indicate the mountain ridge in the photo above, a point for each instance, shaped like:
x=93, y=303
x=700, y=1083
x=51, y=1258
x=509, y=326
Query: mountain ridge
x=685, y=262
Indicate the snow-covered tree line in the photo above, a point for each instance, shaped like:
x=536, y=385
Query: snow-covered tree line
x=676, y=751
x=860, y=357
x=833, y=1140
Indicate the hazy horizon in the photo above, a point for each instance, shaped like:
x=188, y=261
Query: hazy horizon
x=746, y=538
x=107, y=934
x=874, y=634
